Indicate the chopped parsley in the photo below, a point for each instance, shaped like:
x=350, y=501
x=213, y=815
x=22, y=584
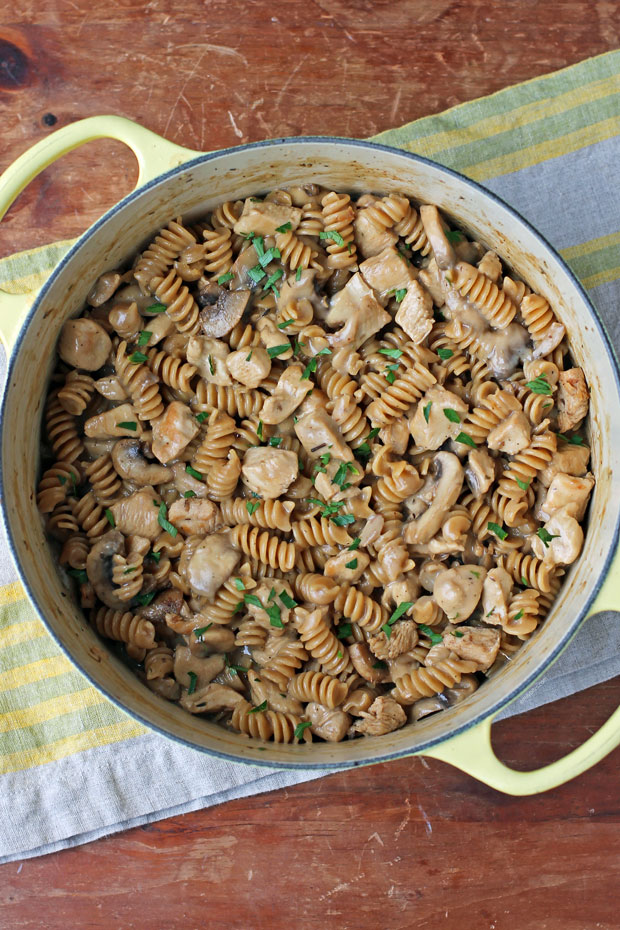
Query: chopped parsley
x=522, y=484
x=343, y=519
x=156, y=308
x=154, y=556
x=299, y=729
x=275, y=441
x=211, y=365
x=518, y=615
x=223, y=278
x=267, y=257
x=392, y=353
x=252, y=599
x=274, y=351
x=287, y=600
x=379, y=664
x=574, y=440
x=189, y=493
x=259, y=430
x=310, y=367
x=466, y=439
x=344, y=630
x=239, y=585
x=275, y=616
x=352, y=564
x=390, y=373
x=284, y=227
x=144, y=337
x=271, y=280
x=259, y=708
x=454, y=235
x=256, y=274
x=136, y=358
x=427, y=410
x=252, y=506
x=165, y=524
x=285, y=323
x=333, y=235
x=539, y=385
x=143, y=600
x=445, y=353
x=451, y=415
x=497, y=530
x=434, y=637
x=79, y=574
x=400, y=294
x=400, y=610
x=524, y=581
x=126, y=425
x=355, y=544
x=298, y=274
x=110, y=518
x=192, y=471
x=340, y=478
x=202, y=629
x=546, y=536
x=193, y=678
x=201, y=417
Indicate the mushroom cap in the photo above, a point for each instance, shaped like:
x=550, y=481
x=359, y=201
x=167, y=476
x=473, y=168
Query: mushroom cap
x=84, y=344
x=130, y=463
x=448, y=478
x=99, y=567
x=219, y=319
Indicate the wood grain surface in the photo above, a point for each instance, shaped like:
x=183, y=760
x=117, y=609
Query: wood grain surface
x=411, y=844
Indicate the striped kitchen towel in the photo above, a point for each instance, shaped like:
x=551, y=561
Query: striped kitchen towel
x=72, y=766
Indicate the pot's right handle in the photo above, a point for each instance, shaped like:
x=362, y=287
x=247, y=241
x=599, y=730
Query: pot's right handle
x=472, y=751
x=155, y=155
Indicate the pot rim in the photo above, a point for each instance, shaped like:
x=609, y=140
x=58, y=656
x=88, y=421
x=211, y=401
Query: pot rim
x=12, y=358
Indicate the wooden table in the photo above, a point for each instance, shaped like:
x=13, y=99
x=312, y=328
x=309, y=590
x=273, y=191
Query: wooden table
x=411, y=844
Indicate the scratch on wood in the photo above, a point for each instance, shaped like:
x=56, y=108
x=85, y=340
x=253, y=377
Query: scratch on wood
x=236, y=129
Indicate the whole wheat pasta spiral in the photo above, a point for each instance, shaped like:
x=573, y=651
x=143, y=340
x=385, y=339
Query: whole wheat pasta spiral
x=297, y=521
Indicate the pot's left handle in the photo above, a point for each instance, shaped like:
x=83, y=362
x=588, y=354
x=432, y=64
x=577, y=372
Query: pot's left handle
x=154, y=154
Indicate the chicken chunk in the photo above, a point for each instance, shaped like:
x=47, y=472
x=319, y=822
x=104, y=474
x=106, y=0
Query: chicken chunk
x=569, y=492
x=137, y=515
x=264, y=217
x=495, y=595
x=430, y=426
x=570, y=459
x=474, y=644
x=383, y=716
x=415, y=313
x=193, y=516
x=330, y=725
x=317, y=432
x=269, y=472
x=290, y=391
x=337, y=567
x=386, y=272
x=510, y=435
x=212, y=564
x=209, y=357
x=403, y=637
x=572, y=399
x=457, y=590
x=366, y=320
x=173, y=431
x=490, y=266
x=480, y=471
x=370, y=238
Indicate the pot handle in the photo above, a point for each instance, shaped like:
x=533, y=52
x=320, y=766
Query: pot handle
x=472, y=751
x=154, y=154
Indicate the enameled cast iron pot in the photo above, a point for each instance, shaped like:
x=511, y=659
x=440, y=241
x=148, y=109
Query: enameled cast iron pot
x=175, y=181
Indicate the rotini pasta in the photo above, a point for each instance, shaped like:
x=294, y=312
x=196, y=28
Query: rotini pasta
x=290, y=510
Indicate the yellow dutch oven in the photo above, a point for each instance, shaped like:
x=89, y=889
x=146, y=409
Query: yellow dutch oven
x=175, y=180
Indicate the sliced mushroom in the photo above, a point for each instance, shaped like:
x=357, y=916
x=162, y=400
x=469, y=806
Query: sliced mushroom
x=288, y=395
x=436, y=233
x=457, y=590
x=445, y=483
x=203, y=670
x=560, y=541
x=193, y=516
x=365, y=663
x=430, y=426
x=249, y=367
x=100, y=566
x=126, y=320
x=137, y=515
x=84, y=344
x=474, y=644
x=415, y=313
x=104, y=288
x=211, y=699
x=386, y=272
x=218, y=320
x=132, y=465
x=173, y=431
x=427, y=706
x=168, y=602
x=329, y=724
x=480, y=471
x=269, y=472
x=395, y=435
x=264, y=217
x=108, y=425
x=212, y=564
x=209, y=357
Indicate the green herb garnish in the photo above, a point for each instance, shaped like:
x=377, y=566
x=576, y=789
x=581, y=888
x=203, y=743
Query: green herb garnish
x=192, y=471
x=189, y=493
x=275, y=616
x=355, y=544
x=445, y=353
x=193, y=678
x=285, y=323
x=223, y=278
x=344, y=630
x=128, y=425
x=274, y=351
x=259, y=708
x=518, y=615
x=136, y=358
x=310, y=367
x=298, y=274
x=497, y=530
x=454, y=235
x=284, y=227
x=546, y=536
x=522, y=484
x=451, y=415
x=239, y=585
x=343, y=519
x=574, y=440
x=252, y=506
x=299, y=729
x=427, y=410
x=256, y=274
x=434, y=637
x=110, y=518
x=211, y=365
x=539, y=385
x=352, y=564
x=466, y=440
x=400, y=610
x=333, y=235
x=269, y=256
x=165, y=524
x=201, y=417
x=271, y=280
x=202, y=629
x=156, y=308
x=392, y=353
x=79, y=574
x=144, y=337
x=275, y=441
